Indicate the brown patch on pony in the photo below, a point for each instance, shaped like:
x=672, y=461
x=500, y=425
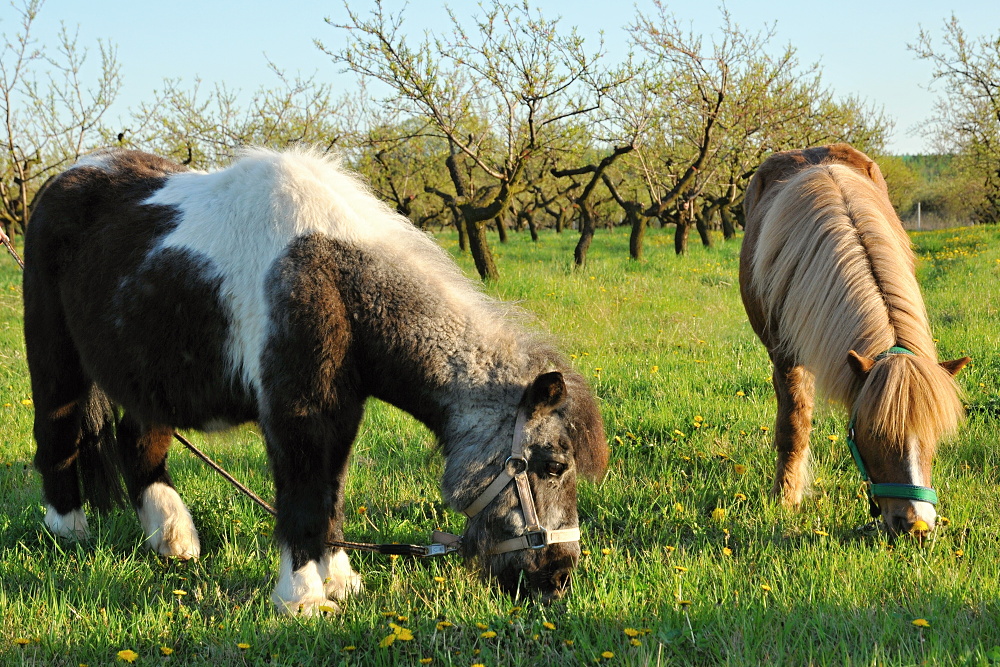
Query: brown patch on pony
x=63, y=411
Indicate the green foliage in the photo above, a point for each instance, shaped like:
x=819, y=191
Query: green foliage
x=685, y=391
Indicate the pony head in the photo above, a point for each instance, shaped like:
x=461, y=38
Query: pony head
x=524, y=533
x=905, y=406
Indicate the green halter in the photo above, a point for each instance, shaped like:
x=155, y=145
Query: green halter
x=887, y=490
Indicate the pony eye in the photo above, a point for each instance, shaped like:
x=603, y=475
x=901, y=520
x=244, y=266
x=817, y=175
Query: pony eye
x=555, y=468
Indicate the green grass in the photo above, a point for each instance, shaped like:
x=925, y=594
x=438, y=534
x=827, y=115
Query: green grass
x=667, y=346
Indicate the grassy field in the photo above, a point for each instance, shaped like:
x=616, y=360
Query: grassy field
x=687, y=560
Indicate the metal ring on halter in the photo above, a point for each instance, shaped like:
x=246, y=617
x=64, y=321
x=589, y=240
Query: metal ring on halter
x=520, y=464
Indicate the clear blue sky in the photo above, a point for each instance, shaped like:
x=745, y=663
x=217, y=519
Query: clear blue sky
x=861, y=45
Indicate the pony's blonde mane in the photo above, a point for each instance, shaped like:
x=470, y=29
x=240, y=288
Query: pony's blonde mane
x=834, y=271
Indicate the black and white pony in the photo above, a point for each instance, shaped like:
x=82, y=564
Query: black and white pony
x=280, y=290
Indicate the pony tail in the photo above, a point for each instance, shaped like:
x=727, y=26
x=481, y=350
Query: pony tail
x=98, y=459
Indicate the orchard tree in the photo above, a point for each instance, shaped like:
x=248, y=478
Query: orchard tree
x=498, y=90
x=53, y=104
x=967, y=115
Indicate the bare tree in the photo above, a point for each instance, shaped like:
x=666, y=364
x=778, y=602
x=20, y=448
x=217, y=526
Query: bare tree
x=967, y=114
x=53, y=106
x=498, y=89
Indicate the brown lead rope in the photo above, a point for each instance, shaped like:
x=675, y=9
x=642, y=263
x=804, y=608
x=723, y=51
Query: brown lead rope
x=10, y=248
x=443, y=543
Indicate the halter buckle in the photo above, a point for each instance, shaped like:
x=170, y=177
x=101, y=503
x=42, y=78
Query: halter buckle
x=536, y=537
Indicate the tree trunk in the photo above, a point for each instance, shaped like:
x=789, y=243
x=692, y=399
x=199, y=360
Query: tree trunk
x=681, y=235
x=501, y=228
x=586, y=236
x=728, y=230
x=638, y=234
x=701, y=224
x=480, y=248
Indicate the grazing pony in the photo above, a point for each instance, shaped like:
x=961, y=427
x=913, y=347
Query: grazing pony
x=827, y=279
x=280, y=290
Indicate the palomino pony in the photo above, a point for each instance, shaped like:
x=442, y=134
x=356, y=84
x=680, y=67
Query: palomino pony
x=280, y=290
x=827, y=278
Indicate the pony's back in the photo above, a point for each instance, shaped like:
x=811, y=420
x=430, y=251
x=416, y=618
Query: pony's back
x=834, y=272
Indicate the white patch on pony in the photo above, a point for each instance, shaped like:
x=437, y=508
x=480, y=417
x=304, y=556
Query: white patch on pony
x=167, y=523
x=922, y=511
x=339, y=578
x=72, y=525
x=242, y=219
x=102, y=159
x=301, y=591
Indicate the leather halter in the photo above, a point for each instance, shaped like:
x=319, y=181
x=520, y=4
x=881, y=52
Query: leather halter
x=886, y=490
x=515, y=469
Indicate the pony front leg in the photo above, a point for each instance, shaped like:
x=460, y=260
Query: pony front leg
x=794, y=388
x=309, y=479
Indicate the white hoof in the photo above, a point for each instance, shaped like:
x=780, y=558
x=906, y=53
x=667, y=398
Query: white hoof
x=339, y=579
x=167, y=523
x=305, y=590
x=71, y=526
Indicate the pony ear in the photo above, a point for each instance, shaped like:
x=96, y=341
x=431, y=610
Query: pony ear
x=546, y=393
x=955, y=365
x=860, y=365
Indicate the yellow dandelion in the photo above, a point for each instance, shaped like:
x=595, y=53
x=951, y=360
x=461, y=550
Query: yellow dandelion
x=921, y=622
x=678, y=507
x=180, y=593
x=740, y=393
x=680, y=569
x=585, y=552
x=719, y=514
x=631, y=632
x=128, y=655
x=548, y=625
x=654, y=369
x=606, y=551
x=426, y=661
x=478, y=664
x=739, y=469
x=489, y=634
x=765, y=428
x=402, y=634
x=684, y=603
x=680, y=433
x=387, y=640
x=362, y=509
x=740, y=496
x=443, y=624
x=943, y=520
x=568, y=642
x=919, y=526
x=765, y=588
x=22, y=641
x=832, y=438
x=350, y=648
x=482, y=626
x=243, y=646
x=607, y=655
x=26, y=401
x=669, y=549
x=959, y=553
x=166, y=650
x=726, y=551
x=821, y=533
x=635, y=642
x=514, y=611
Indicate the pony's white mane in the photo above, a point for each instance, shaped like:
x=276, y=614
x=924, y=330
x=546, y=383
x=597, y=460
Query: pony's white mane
x=243, y=218
x=835, y=272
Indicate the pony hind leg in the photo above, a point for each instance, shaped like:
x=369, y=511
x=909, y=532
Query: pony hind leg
x=794, y=388
x=166, y=521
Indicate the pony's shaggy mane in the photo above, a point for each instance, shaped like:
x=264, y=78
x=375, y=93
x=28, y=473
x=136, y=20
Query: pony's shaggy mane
x=835, y=272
